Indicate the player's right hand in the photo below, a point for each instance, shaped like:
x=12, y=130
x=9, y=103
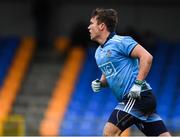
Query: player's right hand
x=96, y=85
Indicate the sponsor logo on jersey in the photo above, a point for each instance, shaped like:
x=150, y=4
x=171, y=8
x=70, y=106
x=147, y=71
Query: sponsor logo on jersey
x=108, y=69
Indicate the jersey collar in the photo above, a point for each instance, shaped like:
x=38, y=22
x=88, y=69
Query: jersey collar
x=109, y=37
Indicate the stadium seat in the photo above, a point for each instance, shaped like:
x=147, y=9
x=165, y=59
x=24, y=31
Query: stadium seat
x=8, y=46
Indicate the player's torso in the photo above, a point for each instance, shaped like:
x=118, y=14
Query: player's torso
x=108, y=59
x=116, y=66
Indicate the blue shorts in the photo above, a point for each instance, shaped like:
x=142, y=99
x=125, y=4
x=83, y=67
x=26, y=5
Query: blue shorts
x=141, y=112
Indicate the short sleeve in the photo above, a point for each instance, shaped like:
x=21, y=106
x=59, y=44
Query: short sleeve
x=128, y=44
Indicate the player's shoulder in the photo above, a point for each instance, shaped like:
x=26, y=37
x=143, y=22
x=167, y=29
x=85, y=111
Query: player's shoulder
x=98, y=49
x=119, y=38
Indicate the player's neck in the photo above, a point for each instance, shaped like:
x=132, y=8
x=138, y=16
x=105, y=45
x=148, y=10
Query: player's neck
x=102, y=39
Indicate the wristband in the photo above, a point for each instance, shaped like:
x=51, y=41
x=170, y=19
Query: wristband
x=139, y=82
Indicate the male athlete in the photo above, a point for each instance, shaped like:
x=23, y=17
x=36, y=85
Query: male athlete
x=124, y=64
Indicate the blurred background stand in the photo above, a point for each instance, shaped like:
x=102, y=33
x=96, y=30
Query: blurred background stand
x=42, y=13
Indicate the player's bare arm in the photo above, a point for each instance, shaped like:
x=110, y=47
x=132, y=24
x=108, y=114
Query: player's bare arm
x=145, y=61
x=103, y=81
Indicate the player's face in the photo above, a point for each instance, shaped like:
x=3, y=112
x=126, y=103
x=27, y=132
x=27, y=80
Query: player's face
x=94, y=29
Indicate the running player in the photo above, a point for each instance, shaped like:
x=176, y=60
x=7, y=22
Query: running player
x=124, y=64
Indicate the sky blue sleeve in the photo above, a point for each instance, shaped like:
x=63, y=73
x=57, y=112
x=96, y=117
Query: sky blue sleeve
x=128, y=44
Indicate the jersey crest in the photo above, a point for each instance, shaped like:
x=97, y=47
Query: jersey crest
x=108, y=53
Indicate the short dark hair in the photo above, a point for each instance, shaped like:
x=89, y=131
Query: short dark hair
x=107, y=16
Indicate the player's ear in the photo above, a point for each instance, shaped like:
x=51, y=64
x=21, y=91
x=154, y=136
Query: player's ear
x=102, y=26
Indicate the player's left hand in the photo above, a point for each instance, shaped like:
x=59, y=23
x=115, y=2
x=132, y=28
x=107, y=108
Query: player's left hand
x=135, y=91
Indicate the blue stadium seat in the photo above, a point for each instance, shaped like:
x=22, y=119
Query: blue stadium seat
x=89, y=108
x=8, y=48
